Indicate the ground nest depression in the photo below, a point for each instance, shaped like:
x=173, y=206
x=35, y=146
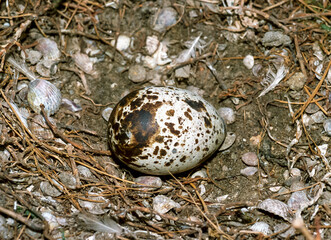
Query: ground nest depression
x=263, y=65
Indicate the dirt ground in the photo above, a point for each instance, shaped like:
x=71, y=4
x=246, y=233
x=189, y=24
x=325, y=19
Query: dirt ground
x=70, y=186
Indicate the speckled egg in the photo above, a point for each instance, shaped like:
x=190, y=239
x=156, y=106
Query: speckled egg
x=162, y=130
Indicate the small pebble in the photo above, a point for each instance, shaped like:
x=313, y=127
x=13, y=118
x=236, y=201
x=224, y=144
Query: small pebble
x=227, y=114
x=297, y=81
x=123, y=42
x=151, y=182
x=250, y=159
x=249, y=61
x=248, y=171
x=275, y=39
x=137, y=73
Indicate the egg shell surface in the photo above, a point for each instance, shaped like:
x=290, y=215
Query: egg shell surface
x=162, y=130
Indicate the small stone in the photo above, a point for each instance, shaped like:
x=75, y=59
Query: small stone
x=275, y=39
x=248, y=171
x=297, y=81
x=250, y=159
x=137, y=74
x=249, y=61
x=148, y=182
x=227, y=114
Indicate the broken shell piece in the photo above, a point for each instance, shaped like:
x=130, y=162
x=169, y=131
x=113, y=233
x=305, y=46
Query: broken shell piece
x=163, y=204
x=68, y=180
x=327, y=126
x=39, y=127
x=106, y=113
x=164, y=19
x=48, y=48
x=49, y=189
x=262, y=227
x=83, y=62
x=229, y=140
x=46, y=93
x=249, y=61
x=276, y=207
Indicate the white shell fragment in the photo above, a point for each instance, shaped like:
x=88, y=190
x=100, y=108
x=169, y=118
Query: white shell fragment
x=162, y=130
x=164, y=19
x=276, y=207
x=48, y=48
x=327, y=126
x=230, y=139
x=46, y=93
x=106, y=113
x=249, y=61
x=261, y=227
x=163, y=204
x=83, y=62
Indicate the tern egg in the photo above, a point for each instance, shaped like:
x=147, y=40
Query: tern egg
x=162, y=130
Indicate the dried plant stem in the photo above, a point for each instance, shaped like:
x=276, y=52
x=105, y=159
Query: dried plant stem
x=26, y=221
x=300, y=225
x=68, y=140
x=303, y=108
x=299, y=56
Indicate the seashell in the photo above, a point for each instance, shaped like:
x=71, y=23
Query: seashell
x=229, y=140
x=262, y=227
x=72, y=106
x=46, y=93
x=276, y=207
x=48, y=48
x=164, y=19
x=163, y=204
x=39, y=128
x=83, y=62
x=106, y=113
